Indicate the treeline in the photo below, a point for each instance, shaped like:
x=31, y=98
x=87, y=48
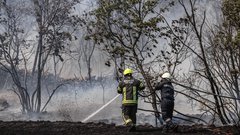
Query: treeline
x=200, y=46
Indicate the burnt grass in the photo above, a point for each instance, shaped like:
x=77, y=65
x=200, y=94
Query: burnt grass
x=78, y=128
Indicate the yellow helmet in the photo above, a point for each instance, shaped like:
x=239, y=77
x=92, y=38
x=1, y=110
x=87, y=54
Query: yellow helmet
x=127, y=71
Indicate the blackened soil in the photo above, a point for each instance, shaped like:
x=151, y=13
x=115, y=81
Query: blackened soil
x=78, y=128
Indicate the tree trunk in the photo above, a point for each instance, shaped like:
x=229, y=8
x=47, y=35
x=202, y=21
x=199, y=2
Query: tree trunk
x=39, y=73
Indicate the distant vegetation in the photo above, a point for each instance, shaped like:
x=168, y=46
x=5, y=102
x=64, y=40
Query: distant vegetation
x=200, y=46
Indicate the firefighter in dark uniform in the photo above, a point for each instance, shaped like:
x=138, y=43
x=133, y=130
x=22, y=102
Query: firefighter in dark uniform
x=167, y=101
x=129, y=89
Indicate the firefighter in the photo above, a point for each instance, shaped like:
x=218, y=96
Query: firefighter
x=129, y=88
x=167, y=101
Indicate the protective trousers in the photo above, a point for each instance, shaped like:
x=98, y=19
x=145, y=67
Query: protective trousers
x=167, y=109
x=129, y=114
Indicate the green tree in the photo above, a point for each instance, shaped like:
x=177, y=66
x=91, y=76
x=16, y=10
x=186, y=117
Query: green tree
x=129, y=30
x=215, y=50
x=55, y=24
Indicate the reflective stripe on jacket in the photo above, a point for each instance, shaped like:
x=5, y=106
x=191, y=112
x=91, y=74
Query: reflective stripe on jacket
x=129, y=88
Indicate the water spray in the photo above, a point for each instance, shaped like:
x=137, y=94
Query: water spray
x=90, y=116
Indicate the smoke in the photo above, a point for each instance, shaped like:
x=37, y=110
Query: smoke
x=79, y=99
x=72, y=102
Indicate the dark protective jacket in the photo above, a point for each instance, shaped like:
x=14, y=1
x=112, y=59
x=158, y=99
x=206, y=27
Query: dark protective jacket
x=167, y=89
x=129, y=89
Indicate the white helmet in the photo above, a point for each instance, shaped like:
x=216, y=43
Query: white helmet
x=166, y=75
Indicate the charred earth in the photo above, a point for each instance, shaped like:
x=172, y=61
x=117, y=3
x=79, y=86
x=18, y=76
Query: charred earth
x=79, y=128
